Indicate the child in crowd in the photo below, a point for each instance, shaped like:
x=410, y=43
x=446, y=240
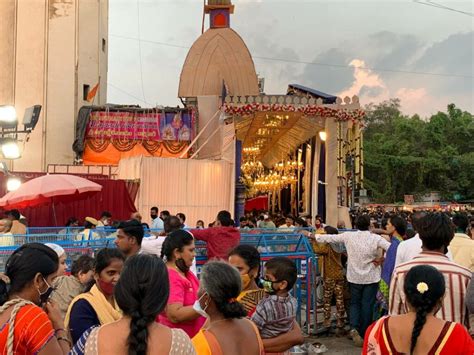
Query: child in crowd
x=68, y=287
x=276, y=314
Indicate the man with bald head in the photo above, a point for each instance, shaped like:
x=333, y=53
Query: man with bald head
x=136, y=216
x=6, y=237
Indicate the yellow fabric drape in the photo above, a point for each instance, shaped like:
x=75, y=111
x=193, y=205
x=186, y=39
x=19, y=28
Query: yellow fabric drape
x=105, y=312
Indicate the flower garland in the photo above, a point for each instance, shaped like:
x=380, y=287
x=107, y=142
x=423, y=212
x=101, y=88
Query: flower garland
x=308, y=110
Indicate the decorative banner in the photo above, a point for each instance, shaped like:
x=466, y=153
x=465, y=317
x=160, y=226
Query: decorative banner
x=140, y=126
x=111, y=136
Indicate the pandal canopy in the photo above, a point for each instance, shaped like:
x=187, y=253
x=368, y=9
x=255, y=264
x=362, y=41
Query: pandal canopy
x=274, y=125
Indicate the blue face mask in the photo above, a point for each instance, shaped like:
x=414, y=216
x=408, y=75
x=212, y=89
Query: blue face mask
x=197, y=306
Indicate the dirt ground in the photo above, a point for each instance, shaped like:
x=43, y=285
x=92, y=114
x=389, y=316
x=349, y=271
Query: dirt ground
x=341, y=346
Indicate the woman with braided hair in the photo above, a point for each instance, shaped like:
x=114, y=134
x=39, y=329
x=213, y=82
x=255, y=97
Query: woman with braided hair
x=141, y=293
x=30, y=323
x=419, y=331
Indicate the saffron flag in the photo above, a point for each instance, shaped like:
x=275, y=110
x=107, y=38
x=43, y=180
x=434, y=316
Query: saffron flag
x=92, y=93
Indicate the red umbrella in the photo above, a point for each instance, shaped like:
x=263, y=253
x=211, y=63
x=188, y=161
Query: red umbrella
x=52, y=188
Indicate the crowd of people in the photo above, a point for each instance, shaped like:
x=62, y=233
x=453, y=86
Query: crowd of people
x=399, y=291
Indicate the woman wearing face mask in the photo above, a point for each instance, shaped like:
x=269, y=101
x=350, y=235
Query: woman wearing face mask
x=141, y=293
x=227, y=328
x=97, y=307
x=179, y=251
x=246, y=259
x=26, y=328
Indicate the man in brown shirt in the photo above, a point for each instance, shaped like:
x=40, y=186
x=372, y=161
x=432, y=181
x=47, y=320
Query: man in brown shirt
x=331, y=269
x=18, y=228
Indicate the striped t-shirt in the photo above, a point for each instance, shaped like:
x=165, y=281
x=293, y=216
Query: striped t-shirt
x=456, y=277
x=275, y=315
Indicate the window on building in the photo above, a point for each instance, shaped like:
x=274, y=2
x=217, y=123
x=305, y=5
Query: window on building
x=85, y=91
x=104, y=44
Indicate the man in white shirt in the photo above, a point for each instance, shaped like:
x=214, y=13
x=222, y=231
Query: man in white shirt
x=156, y=221
x=363, y=272
x=289, y=224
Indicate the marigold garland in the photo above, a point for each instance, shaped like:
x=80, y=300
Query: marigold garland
x=308, y=110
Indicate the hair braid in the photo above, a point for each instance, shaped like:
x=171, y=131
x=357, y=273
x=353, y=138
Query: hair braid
x=138, y=337
x=17, y=303
x=420, y=321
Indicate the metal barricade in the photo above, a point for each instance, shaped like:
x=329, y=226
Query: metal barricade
x=270, y=243
x=295, y=246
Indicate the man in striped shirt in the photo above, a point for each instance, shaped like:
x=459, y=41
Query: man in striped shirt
x=436, y=232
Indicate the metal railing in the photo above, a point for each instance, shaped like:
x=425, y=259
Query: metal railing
x=270, y=243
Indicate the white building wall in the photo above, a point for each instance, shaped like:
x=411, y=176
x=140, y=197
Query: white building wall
x=48, y=50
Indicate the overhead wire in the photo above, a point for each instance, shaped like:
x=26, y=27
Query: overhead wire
x=294, y=61
x=128, y=94
x=444, y=7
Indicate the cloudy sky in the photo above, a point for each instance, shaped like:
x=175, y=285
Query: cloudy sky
x=376, y=49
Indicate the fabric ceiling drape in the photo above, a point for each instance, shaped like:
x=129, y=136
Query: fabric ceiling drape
x=197, y=188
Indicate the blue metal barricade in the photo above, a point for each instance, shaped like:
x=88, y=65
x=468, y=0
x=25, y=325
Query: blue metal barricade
x=270, y=243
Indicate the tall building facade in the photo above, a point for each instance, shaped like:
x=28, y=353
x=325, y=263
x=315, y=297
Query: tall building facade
x=52, y=53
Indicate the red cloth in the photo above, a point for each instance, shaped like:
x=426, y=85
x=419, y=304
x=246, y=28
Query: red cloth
x=453, y=340
x=114, y=198
x=259, y=203
x=220, y=240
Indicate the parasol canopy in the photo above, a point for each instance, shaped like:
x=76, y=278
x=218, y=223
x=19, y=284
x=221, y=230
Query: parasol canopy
x=53, y=188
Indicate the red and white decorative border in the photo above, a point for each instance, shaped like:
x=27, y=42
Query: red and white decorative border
x=308, y=110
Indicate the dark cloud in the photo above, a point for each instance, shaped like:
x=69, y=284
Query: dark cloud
x=393, y=50
x=452, y=56
x=398, y=52
x=325, y=78
x=277, y=73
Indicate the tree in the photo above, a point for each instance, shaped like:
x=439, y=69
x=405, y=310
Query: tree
x=408, y=155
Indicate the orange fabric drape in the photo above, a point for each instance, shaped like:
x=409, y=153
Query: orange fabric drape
x=110, y=155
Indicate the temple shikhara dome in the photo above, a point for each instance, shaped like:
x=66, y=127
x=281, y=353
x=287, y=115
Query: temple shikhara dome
x=218, y=56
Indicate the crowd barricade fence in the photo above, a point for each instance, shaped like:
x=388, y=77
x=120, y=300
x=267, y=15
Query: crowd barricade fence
x=292, y=244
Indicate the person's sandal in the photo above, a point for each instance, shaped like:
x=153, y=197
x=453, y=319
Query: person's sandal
x=356, y=338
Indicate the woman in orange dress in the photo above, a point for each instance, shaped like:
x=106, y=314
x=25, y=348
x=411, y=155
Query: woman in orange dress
x=226, y=330
x=419, y=331
x=29, y=323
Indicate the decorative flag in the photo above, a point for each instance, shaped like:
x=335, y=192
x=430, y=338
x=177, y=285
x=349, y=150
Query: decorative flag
x=92, y=93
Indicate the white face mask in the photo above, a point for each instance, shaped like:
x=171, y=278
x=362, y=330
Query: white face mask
x=197, y=307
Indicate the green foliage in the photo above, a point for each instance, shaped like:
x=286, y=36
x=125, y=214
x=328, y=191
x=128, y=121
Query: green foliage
x=409, y=155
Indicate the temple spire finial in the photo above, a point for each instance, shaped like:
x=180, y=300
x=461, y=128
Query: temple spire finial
x=219, y=12
x=219, y=2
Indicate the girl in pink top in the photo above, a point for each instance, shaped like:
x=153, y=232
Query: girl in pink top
x=179, y=251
